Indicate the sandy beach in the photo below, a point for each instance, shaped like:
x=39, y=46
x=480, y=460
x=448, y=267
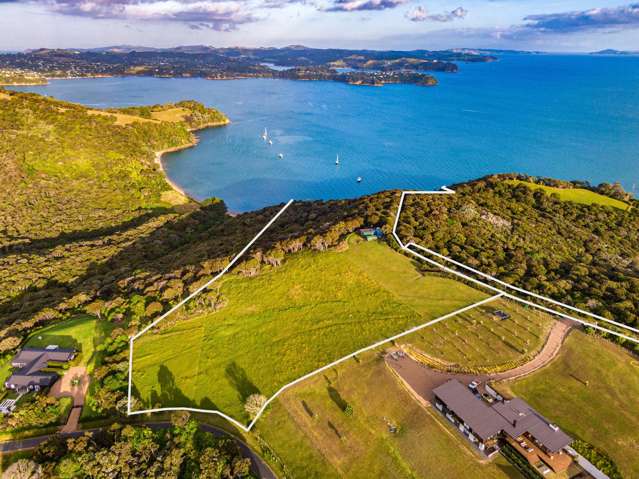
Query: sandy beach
x=160, y=153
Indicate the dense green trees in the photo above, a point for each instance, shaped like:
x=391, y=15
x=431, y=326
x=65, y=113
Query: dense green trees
x=584, y=255
x=35, y=411
x=600, y=459
x=181, y=451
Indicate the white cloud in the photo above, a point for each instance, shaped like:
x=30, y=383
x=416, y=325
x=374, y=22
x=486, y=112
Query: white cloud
x=420, y=14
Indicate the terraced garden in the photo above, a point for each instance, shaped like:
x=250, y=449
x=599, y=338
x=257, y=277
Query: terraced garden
x=480, y=340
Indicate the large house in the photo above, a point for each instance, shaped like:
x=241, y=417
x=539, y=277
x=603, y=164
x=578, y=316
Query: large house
x=30, y=363
x=514, y=421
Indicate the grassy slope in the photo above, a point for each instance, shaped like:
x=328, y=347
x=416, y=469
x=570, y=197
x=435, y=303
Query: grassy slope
x=286, y=322
x=592, y=391
x=5, y=369
x=577, y=195
x=477, y=339
x=332, y=444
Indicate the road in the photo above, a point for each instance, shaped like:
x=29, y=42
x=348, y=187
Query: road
x=257, y=463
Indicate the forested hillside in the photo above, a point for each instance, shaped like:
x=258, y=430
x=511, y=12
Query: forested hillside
x=85, y=229
x=84, y=223
x=585, y=255
x=67, y=168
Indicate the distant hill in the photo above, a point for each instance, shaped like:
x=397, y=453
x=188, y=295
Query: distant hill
x=610, y=51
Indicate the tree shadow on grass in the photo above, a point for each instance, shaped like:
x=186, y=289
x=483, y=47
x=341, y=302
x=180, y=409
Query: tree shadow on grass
x=336, y=397
x=239, y=380
x=169, y=393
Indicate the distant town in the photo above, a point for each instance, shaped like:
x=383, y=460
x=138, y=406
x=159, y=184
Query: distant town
x=358, y=67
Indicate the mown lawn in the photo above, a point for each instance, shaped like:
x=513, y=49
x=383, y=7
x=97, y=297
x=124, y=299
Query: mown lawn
x=5, y=368
x=576, y=195
x=83, y=333
x=592, y=391
x=388, y=434
x=477, y=340
x=286, y=322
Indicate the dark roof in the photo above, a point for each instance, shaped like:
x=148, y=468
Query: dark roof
x=514, y=417
x=521, y=417
x=484, y=422
x=28, y=355
x=31, y=361
x=39, y=379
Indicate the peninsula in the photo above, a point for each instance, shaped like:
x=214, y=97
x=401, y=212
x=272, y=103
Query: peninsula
x=356, y=67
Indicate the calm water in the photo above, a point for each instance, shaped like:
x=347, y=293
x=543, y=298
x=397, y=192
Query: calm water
x=570, y=117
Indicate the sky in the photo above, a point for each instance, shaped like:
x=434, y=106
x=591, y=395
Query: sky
x=546, y=25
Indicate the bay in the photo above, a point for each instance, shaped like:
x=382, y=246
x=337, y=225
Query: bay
x=561, y=116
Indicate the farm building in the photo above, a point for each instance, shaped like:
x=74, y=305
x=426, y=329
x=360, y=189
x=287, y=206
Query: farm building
x=30, y=363
x=513, y=421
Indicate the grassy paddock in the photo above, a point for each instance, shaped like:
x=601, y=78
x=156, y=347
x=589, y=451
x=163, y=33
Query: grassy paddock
x=388, y=433
x=576, y=195
x=286, y=322
x=592, y=391
x=478, y=340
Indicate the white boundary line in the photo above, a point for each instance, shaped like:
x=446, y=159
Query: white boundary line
x=193, y=294
x=300, y=379
x=373, y=346
x=524, y=291
x=323, y=368
x=504, y=293
x=500, y=293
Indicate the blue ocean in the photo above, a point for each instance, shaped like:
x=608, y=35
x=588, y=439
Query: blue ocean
x=563, y=116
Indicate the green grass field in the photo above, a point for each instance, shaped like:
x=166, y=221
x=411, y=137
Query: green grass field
x=83, y=333
x=286, y=322
x=592, y=391
x=476, y=340
x=313, y=437
x=576, y=195
x=5, y=369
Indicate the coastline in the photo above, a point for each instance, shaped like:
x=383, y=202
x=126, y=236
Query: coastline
x=158, y=161
x=3, y=84
x=196, y=140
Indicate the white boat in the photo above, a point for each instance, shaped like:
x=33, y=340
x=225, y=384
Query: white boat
x=337, y=160
x=270, y=142
x=280, y=156
x=359, y=179
x=265, y=135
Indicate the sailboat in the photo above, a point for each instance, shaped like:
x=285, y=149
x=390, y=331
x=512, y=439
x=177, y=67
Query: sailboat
x=270, y=142
x=337, y=160
x=265, y=135
x=280, y=156
x=359, y=179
